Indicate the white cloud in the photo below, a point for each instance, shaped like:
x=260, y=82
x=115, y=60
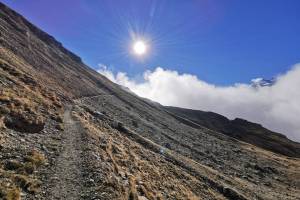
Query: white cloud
x=276, y=107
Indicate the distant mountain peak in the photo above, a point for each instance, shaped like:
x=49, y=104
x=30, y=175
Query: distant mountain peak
x=262, y=82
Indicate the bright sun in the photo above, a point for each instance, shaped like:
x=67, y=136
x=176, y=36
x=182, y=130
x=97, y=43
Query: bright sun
x=139, y=47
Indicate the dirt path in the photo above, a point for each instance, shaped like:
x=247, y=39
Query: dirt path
x=68, y=168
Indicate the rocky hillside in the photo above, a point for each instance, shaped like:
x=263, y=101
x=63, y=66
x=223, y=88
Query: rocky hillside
x=240, y=129
x=67, y=132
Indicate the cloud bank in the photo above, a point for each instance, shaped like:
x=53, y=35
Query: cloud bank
x=276, y=107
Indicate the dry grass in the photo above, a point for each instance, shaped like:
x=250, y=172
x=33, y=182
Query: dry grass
x=28, y=184
x=28, y=168
x=19, y=175
x=11, y=70
x=10, y=193
x=133, y=195
x=147, y=175
x=26, y=108
x=55, y=100
x=25, y=104
x=35, y=158
x=32, y=161
x=27, y=98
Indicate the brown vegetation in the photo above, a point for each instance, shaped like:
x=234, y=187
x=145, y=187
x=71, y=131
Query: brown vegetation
x=19, y=175
x=25, y=105
x=20, y=110
x=9, y=193
x=35, y=158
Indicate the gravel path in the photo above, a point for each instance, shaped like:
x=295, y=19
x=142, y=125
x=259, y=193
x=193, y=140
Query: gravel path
x=68, y=173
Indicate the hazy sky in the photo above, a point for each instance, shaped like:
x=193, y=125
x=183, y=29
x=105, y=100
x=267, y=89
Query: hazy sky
x=222, y=42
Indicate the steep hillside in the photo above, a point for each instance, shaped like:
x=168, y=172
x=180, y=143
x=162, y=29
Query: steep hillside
x=67, y=132
x=240, y=129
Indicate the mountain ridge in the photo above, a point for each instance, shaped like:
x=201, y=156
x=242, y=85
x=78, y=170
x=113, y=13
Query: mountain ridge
x=241, y=129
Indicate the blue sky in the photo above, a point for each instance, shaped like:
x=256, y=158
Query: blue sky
x=221, y=42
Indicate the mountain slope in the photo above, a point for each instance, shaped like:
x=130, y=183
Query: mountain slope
x=242, y=130
x=126, y=147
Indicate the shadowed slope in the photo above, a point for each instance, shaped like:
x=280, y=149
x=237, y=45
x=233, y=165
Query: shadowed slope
x=240, y=129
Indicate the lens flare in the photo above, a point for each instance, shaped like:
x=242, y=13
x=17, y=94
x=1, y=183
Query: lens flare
x=139, y=47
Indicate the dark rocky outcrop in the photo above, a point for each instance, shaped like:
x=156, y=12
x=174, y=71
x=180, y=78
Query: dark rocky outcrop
x=22, y=124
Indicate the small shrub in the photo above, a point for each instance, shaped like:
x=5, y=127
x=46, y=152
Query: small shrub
x=34, y=187
x=28, y=168
x=30, y=185
x=10, y=193
x=35, y=158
